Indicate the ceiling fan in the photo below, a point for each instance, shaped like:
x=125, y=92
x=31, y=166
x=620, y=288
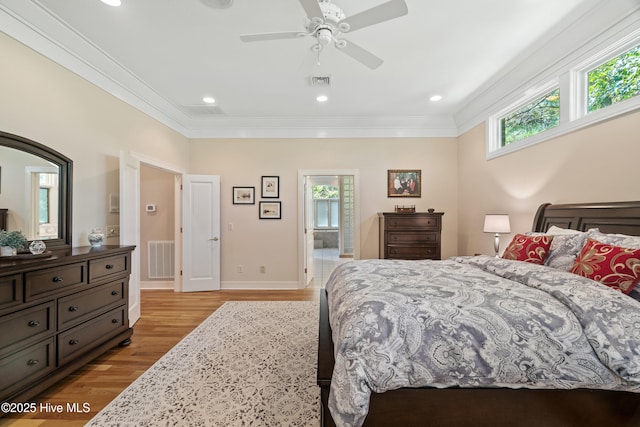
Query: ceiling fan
x=326, y=21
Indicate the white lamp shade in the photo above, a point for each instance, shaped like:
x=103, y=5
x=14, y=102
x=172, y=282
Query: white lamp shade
x=497, y=223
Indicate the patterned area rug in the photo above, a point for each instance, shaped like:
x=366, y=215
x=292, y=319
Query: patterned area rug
x=248, y=364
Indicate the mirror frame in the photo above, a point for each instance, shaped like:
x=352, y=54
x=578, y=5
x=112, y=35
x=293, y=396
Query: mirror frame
x=65, y=183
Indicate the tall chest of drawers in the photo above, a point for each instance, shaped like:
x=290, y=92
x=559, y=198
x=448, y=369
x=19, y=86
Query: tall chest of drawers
x=57, y=314
x=410, y=235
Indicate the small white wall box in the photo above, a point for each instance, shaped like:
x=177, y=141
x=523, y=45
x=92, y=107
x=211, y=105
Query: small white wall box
x=150, y=207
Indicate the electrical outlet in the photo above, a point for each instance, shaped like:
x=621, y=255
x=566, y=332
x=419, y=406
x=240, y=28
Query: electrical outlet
x=240, y=269
x=113, y=230
x=263, y=269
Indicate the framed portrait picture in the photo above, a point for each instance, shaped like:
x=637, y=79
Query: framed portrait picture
x=244, y=195
x=270, y=210
x=404, y=183
x=270, y=187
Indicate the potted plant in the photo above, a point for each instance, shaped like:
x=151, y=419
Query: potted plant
x=11, y=242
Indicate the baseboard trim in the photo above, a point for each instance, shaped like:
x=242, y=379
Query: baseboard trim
x=157, y=284
x=257, y=286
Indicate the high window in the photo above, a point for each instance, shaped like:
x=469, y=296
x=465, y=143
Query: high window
x=615, y=80
x=595, y=86
x=539, y=115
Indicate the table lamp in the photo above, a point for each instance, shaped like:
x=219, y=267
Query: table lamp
x=497, y=223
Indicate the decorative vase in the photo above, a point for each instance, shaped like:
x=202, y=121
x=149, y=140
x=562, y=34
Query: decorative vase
x=96, y=237
x=37, y=247
x=7, y=251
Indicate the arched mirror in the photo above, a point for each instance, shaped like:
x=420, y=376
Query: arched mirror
x=35, y=191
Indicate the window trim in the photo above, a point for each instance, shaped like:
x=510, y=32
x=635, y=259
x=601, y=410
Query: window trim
x=573, y=86
x=494, y=128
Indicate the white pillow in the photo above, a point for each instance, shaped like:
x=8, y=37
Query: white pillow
x=622, y=240
x=557, y=231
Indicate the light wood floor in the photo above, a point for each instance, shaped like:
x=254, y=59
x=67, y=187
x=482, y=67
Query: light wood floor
x=167, y=317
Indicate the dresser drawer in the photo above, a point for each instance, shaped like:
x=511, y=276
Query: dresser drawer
x=410, y=221
x=104, y=267
x=42, y=283
x=11, y=291
x=92, y=333
x=25, y=366
x=26, y=326
x=80, y=306
x=412, y=237
x=413, y=252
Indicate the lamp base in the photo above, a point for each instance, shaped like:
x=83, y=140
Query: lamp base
x=496, y=245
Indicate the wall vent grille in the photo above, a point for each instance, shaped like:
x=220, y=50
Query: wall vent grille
x=161, y=259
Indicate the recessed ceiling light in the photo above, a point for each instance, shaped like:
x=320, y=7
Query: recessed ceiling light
x=435, y=98
x=209, y=100
x=112, y=2
x=218, y=4
x=322, y=98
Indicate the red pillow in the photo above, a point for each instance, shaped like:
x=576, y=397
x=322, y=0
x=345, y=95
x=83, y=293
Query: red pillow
x=616, y=267
x=532, y=249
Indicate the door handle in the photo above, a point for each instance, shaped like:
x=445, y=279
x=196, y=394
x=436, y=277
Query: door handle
x=215, y=239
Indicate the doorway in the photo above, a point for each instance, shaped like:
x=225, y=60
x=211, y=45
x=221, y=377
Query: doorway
x=330, y=223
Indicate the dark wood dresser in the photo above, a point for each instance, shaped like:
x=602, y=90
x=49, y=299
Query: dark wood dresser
x=59, y=313
x=410, y=235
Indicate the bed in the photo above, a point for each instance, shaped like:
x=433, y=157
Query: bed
x=551, y=401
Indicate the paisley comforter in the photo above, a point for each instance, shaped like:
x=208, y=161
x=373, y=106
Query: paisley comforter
x=474, y=322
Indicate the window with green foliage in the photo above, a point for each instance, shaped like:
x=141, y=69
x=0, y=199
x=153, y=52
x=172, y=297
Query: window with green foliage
x=326, y=206
x=535, y=117
x=615, y=80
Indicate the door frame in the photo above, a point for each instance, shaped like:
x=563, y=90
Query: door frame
x=130, y=221
x=302, y=173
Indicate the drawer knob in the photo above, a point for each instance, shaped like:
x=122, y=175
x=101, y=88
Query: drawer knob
x=114, y=320
x=33, y=362
x=73, y=342
x=33, y=323
x=58, y=279
x=114, y=293
x=109, y=266
x=73, y=308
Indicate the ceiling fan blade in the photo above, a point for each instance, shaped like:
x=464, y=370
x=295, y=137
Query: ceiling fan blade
x=360, y=54
x=384, y=12
x=271, y=36
x=312, y=8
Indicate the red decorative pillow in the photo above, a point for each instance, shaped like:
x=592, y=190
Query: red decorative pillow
x=532, y=249
x=616, y=267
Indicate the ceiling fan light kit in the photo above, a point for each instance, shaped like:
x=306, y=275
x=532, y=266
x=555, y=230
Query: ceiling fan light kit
x=326, y=21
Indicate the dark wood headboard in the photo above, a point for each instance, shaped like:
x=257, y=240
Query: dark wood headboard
x=613, y=217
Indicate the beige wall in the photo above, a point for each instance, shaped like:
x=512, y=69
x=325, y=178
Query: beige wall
x=44, y=102
x=274, y=243
x=595, y=164
x=157, y=188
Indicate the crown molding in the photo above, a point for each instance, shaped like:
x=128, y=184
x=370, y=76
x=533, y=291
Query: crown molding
x=551, y=56
x=602, y=22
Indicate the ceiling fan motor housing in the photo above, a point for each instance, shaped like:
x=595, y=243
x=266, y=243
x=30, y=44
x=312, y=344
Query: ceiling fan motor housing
x=332, y=15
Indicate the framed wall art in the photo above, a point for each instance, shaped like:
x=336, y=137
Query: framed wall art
x=404, y=183
x=270, y=187
x=244, y=195
x=270, y=210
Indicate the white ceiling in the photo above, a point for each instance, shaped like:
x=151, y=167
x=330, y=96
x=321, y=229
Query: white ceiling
x=163, y=56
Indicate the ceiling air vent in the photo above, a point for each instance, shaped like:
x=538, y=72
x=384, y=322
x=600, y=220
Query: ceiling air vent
x=320, y=81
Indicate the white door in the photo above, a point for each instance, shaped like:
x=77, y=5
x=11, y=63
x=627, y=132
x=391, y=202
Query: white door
x=308, y=231
x=130, y=225
x=200, y=233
